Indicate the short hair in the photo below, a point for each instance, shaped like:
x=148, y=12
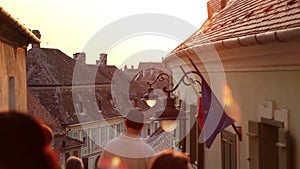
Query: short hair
x=135, y=119
x=170, y=160
x=74, y=162
x=25, y=143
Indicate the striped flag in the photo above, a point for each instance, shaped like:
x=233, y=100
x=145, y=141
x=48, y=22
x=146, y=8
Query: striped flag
x=211, y=115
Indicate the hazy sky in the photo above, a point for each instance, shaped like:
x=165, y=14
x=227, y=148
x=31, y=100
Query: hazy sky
x=69, y=25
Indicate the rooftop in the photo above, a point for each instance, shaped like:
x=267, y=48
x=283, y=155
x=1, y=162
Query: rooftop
x=12, y=31
x=68, y=98
x=240, y=18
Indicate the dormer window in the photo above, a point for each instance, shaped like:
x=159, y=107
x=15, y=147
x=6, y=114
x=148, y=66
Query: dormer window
x=112, y=102
x=81, y=110
x=99, y=103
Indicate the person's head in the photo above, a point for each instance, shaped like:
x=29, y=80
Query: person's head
x=74, y=163
x=170, y=160
x=134, y=119
x=25, y=143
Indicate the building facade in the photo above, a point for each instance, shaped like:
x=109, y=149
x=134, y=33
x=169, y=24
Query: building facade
x=248, y=50
x=14, y=39
x=78, y=97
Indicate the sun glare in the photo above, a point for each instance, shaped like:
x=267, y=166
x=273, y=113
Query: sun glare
x=232, y=107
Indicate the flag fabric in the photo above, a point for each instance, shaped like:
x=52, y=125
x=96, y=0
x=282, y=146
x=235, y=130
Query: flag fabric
x=211, y=115
x=200, y=113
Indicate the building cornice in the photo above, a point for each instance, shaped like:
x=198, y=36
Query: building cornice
x=250, y=50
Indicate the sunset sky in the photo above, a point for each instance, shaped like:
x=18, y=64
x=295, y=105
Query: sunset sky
x=69, y=25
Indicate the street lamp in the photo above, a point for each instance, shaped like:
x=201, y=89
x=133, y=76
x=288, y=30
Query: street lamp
x=149, y=98
x=169, y=115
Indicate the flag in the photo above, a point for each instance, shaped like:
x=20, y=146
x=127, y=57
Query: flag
x=211, y=115
x=200, y=114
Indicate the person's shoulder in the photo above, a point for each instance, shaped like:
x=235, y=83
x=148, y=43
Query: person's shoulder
x=111, y=143
x=147, y=148
x=151, y=150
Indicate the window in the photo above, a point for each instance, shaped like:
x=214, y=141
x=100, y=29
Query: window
x=122, y=127
x=75, y=135
x=67, y=155
x=70, y=134
x=96, y=135
x=119, y=128
x=112, y=102
x=103, y=136
x=148, y=129
x=156, y=125
x=12, y=94
x=228, y=150
x=84, y=140
x=80, y=108
x=99, y=105
x=112, y=132
x=268, y=144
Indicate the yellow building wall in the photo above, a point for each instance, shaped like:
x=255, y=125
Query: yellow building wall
x=13, y=64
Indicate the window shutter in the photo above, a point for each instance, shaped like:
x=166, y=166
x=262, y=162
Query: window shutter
x=253, y=135
x=229, y=152
x=283, y=148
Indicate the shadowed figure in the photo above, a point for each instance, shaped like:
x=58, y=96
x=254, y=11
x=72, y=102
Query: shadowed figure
x=74, y=162
x=170, y=160
x=25, y=143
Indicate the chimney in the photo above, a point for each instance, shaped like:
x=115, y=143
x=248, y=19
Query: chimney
x=103, y=60
x=215, y=6
x=38, y=35
x=79, y=57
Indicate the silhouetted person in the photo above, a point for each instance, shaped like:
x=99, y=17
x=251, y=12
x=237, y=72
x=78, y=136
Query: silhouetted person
x=170, y=160
x=25, y=143
x=128, y=151
x=74, y=162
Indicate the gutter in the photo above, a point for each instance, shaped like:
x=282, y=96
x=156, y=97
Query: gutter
x=20, y=27
x=280, y=36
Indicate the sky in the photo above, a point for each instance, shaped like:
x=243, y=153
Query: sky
x=80, y=26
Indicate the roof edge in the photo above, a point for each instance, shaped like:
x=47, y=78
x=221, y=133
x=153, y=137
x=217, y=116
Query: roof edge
x=14, y=22
x=280, y=36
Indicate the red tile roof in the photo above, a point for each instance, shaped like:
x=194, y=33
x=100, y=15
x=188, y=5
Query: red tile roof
x=38, y=111
x=52, y=67
x=50, y=79
x=65, y=143
x=246, y=17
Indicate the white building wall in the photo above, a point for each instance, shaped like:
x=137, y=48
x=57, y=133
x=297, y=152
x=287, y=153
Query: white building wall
x=254, y=75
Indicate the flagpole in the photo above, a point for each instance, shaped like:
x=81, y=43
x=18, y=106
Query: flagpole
x=237, y=131
x=192, y=84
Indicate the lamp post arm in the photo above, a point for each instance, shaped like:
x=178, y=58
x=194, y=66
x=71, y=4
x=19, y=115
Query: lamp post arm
x=183, y=80
x=160, y=77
